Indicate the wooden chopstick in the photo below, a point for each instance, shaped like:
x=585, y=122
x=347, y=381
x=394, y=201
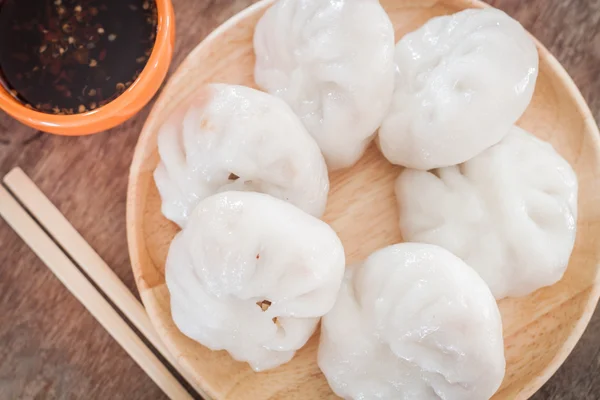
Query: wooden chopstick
x=84, y=255
x=64, y=269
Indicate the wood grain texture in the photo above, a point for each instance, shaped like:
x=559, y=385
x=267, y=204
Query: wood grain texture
x=76, y=282
x=52, y=349
x=539, y=330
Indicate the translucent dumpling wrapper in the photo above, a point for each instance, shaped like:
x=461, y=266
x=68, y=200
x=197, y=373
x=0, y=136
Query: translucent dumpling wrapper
x=413, y=321
x=252, y=275
x=462, y=81
x=237, y=138
x=332, y=61
x=510, y=213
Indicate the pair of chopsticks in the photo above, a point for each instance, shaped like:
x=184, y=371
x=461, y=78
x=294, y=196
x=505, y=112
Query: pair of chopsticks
x=54, y=240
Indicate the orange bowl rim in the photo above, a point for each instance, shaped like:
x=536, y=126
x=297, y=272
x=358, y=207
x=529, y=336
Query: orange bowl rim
x=111, y=114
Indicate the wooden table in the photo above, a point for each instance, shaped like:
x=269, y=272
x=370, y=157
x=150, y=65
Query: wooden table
x=51, y=348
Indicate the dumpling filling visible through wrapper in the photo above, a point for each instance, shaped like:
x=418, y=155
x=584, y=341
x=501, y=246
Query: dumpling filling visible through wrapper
x=413, y=321
x=237, y=138
x=332, y=62
x=510, y=213
x=462, y=81
x=252, y=275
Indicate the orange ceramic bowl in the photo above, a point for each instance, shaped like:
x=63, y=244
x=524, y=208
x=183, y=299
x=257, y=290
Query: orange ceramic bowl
x=118, y=110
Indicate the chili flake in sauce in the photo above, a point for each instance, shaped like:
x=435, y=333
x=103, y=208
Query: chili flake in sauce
x=73, y=56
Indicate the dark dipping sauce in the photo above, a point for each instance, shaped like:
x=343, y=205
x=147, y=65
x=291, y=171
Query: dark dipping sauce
x=73, y=56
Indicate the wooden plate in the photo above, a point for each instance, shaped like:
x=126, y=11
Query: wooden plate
x=539, y=330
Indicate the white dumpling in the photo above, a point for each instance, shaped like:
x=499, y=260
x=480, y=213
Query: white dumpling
x=510, y=213
x=462, y=81
x=332, y=61
x=252, y=274
x=413, y=322
x=237, y=138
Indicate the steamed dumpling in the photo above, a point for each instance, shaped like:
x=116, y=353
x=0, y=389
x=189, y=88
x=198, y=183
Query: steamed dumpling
x=510, y=213
x=413, y=322
x=462, y=81
x=237, y=138
x=252, y=274
x=332, y=62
